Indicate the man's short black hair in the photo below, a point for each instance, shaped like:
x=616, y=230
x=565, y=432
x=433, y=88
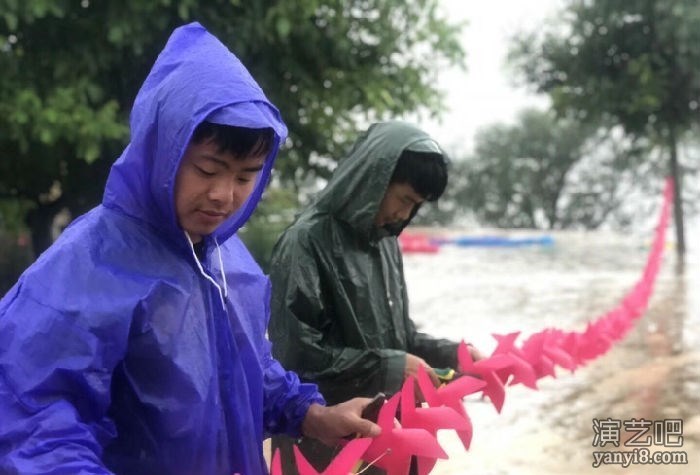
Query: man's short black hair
x=426, y=172
x=241, y=142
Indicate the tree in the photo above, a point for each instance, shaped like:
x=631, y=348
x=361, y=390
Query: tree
x=606, y=186
x=635, y=62
x=518, y=173
x=547, y=172
x=71, y=70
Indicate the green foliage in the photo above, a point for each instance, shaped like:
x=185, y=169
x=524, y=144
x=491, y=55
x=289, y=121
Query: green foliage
x=542, y=172
x=637, y=62
x=608, y=184
x=12, y=214
x=545, y=172
x=518, y=172
x=274, y=213
x=71, y=70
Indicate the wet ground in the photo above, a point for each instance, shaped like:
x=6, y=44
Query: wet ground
x=653, y=374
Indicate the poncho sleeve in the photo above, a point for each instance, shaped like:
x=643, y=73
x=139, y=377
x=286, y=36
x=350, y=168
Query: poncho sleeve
x=56, y=364
x=286, y=398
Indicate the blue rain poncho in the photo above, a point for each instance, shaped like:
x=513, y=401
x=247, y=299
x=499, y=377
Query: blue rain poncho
x=119, y=351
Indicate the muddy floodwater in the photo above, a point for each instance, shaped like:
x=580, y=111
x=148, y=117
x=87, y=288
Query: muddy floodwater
x=653, y=374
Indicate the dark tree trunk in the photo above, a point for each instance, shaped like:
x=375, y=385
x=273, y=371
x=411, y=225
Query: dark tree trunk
x=677, y=196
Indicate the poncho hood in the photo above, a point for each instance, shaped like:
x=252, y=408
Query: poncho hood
x=355, y=191
x=195, y=79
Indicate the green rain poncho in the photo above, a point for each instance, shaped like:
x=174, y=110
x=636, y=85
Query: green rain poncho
x=339, y=306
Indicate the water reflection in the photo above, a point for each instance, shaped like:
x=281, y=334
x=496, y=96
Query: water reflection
x=653, y=374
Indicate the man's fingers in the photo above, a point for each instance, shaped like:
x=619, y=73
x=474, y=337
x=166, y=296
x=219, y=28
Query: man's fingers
x=369, y=429
x=475, y=353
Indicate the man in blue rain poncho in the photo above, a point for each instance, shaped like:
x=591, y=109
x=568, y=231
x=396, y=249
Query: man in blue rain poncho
x=136, y=343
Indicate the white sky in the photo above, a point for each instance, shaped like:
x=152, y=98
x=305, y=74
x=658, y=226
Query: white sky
x=484, y=94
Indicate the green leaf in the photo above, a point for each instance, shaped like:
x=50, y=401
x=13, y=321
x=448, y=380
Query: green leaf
x=283, y=26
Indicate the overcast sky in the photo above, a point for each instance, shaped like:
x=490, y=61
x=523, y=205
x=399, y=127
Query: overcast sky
x=484, y=93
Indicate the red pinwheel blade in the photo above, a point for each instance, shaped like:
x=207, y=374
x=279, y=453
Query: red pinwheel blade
x=303, y=465
x=276, y=466
x=461, y=387
x=344, y=462
x=416, y=442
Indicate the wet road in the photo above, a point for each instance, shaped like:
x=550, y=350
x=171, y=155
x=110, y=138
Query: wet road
x=653, y=374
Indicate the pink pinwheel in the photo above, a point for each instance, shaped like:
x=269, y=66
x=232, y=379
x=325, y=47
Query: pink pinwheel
x=519, y=368
x=342, y=464
x=486, y=370
x=533, y=348
x=451, y=395
x=393, y=448
x=593, y=343
x=552, y=348
x=615, y=324
x=431, y=419
x=506, y=344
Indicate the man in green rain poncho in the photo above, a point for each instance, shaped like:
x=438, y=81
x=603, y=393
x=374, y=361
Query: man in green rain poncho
x=339, y=313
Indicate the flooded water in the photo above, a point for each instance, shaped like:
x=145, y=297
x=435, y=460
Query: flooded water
x=653, y=374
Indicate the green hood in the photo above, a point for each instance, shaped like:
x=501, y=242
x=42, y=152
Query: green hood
x=357, y=187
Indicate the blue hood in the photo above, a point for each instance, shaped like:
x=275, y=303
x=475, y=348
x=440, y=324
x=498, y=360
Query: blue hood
x=195, y=79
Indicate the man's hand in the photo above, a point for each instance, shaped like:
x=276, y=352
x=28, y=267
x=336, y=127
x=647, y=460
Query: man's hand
x=332, y=423
x=475, y=353
x=413, y=362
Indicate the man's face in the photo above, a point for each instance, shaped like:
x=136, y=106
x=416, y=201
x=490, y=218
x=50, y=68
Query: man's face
x=211, y=186
x=397, y=204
